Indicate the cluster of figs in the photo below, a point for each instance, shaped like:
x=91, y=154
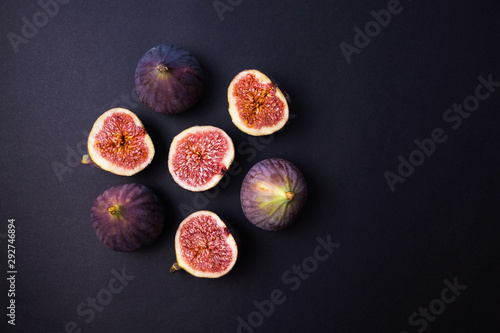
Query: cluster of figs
x=169, y=80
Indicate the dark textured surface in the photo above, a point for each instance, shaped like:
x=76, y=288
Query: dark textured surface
x=391, y=254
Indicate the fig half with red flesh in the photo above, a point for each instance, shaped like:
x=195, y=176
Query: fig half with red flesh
x=273, y=194
x=119, y=143
x=127, y=217
x=199, y=157
x=169, y=79
x=256, y=105
x=204, y=247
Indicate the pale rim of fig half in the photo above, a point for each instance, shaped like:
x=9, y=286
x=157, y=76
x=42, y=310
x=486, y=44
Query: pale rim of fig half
x=204, y=247
x=199, y=157
x=119, y=143
x=257, y=106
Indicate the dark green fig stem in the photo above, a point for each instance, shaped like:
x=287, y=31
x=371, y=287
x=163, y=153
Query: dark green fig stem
x=174, y=268
x=289, y=195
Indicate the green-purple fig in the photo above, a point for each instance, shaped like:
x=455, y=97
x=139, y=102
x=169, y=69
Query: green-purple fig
x=273, y=194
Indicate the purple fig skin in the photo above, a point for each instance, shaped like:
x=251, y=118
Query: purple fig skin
x=273, y=194
x=169, y=79
x=127, y=217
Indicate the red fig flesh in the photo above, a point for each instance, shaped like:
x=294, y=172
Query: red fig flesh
x=118, y=143
x=204, y=247
x=256, y=104
x=199, y=157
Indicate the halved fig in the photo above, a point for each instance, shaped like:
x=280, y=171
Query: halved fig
x=199, y=157
x=127, y=217
x=256, y=104
x=203, y=246
x=119, y=143
x=273, y=194
x=169, y=79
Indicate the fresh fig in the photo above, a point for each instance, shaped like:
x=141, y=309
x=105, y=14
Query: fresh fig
x=119, y=143
x=169, y=79
x=256, y=104
x=204, y=247
x=199, y=157
x=127, y=217
x=273, y=194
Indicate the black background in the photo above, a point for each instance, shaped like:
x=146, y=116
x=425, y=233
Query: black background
x=350, y=123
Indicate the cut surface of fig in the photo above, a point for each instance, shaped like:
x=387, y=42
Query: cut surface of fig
x=119, y=143
x=256, y=104
x=169, y=79
x=273, y=194
x=204, y=247
x=199, y=157
x=127, y=217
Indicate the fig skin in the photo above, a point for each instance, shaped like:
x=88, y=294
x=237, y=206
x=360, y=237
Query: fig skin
x=257, y=106
x=203, y=239
x=273, y=194
x=192, y=148
x=127, y=217
x=169, y=79
x=127, y=147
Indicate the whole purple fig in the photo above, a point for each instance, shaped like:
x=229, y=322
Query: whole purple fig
x=169, y=79
x=127, y=217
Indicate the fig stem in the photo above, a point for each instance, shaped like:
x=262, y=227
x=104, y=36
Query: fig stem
x=174, y=268
x=289, y=195
x=86, y=159
x=162, y=68
x=114, y=210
